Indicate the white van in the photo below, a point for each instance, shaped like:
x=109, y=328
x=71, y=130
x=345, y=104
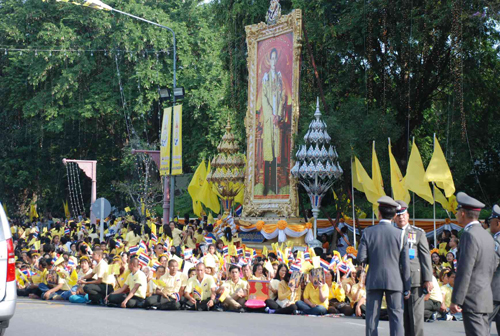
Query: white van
x=8, y=291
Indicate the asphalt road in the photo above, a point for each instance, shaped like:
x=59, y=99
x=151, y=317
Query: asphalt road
x=56, y=318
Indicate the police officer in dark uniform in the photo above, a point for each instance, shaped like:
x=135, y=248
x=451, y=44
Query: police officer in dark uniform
x=476, y=264
x=384, y=249
x=494, y=223
x=421, y=272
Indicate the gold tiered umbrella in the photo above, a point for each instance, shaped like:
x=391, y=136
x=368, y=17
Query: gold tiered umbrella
x=228, y=170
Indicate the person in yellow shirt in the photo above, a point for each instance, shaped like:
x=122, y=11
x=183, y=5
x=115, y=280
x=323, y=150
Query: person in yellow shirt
x=201, y=291
x=176, y=237
x=136, y=286
x=315, y=298
x=102, y=285
x=336, y=296
x=133, y=237
x=169, y=289
x=189, y=239
x=289, y=292
x=235, y=290
x=432, y=301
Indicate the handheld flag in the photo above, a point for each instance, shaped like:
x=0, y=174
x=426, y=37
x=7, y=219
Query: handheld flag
x=143, y=259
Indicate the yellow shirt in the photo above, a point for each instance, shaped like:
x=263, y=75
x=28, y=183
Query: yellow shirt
x=357, y=293
x=199, y=238
x=138, y=278
x=230, y=287
x=201, y=290
x=336, y=292
x=132, y=239
x=446, y=290
x=101, y=271
x=312, y=294
x=122, y=277
x=176, y=236
x=174, y=283
x=190, y=243
x=436, y=293
x=285, y=293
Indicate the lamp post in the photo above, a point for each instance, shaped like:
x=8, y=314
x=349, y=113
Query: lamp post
x=97, y=4
x=316, y=167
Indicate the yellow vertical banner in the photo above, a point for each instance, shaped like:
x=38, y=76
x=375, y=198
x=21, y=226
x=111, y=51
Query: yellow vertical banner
x=165, y=142
x=177, y=141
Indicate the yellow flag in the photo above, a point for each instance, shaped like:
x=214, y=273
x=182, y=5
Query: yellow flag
x=377, y=174
x=439, y=172
x=195, y=185
x=36, y=245
x=398, y=189
x=153, y=229
x=73, y=278
x=441, y=199
x=264, y=251
x=453, y=203
x=210, y=219
x=414, y=179
x=239, y=197
x=67, y=214
x=127, y=209
x=207, y=196
x=363, y=182
x=5, y=209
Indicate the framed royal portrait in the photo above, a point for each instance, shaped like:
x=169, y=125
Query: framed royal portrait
x=272, y=116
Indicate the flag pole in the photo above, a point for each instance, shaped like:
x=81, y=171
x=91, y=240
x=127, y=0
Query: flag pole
x=434, y=199
x=353, y=211
x=392, y=190
x=413, y=191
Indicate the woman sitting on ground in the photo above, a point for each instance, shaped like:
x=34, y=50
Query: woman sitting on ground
x=315, y=298
x=336, y=295
x=288, y=294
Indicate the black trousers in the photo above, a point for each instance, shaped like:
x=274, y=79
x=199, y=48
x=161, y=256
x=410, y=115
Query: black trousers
x=97, y=292
x=270, y=179
x=26, y=291
x=134, y=302
x=162, y=303
x=278, y=310
x=200, y=305
x=431, y=307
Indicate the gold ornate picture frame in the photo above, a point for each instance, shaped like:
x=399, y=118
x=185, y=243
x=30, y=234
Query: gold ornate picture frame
x=272, y=116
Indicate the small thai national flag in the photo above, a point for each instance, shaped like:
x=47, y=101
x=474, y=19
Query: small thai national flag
x=118, y=243
x=209, y=240
x=67, y=231
x=154, y=238
x=239, y=250
x=248, y=254
x=143, y=259
x=323, y=263
x=307, y=256
x=225, y=251
x=238, y=210
x=188, y=253
x=176, y=296
x=295, y=267
x=156, y=264
x=133, y=250
x=143, y=245
x=344, y=268
x=334, y=262
x=71, y=263
x=280, y=256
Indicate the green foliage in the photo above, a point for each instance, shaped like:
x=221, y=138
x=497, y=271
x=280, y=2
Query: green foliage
x=397, y=69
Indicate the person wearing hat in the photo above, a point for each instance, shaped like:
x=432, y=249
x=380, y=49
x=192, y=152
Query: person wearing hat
x=494, y=223
x=421, y=272
x=383, y=247
x=472, y=295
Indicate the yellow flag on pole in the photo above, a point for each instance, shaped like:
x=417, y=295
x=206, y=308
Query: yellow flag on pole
x=207, y=196
x=415, y=172
x=441, y=199
x=439, y=172
x=378, y=183
x=195, y=186
x=363, y=182
x=67, y=214
x=398, y=188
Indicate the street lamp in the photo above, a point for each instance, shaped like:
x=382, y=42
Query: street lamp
x=97, y=4
x=317, y=164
